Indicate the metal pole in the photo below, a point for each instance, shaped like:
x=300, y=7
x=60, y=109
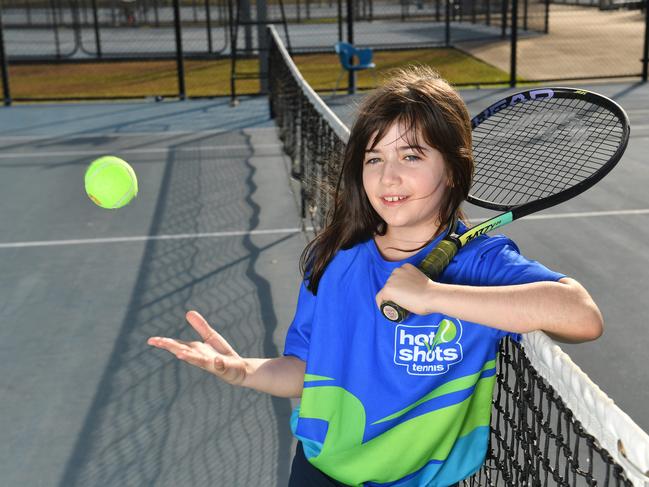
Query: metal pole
x=182, y=94
x=350, y=38
x=271, y=92
x=57, y=41
x=4, y=66
x=234, y=28
x=284, y=23
x=96, y=21
x=447, y=23
x=246, y=16
x=350, y=21
x=208, y=18
x=512, y=74
x=156, y=14
x=646, y=42
x=525, y=8
x=340, y=20
x=76, y=24
x=262, y=34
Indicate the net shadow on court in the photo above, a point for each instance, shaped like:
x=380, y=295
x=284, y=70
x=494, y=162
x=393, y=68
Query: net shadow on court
x=154, y=420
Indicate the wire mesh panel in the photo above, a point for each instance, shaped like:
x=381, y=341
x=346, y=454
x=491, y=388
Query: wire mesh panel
x=434, y=23
x=88, y=49
x=582, y=42
x=471, y=39
x=109, y=29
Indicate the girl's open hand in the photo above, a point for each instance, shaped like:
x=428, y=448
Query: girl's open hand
x=409, y=288
x=214, y=354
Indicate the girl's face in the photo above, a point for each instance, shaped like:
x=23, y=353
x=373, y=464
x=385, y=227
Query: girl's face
x=405, y=185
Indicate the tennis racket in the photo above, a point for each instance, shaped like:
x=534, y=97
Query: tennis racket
x=532, y=150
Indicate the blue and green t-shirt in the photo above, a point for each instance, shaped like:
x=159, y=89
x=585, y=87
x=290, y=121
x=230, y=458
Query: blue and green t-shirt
x=408, y=404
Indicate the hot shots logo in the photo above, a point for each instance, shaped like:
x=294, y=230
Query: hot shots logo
x=428, y=350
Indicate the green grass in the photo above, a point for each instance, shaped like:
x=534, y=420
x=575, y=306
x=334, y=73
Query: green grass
x=322, y=70
x=212, y=78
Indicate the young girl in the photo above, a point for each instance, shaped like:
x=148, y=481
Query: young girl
x=399, y=404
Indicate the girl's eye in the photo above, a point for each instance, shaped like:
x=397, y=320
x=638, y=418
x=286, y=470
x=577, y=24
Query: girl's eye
x=373, y=160
x=412, y=158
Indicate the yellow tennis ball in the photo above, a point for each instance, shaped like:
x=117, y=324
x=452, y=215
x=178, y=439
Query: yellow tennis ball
x=110, y=182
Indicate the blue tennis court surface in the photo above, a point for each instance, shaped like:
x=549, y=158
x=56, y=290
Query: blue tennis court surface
x=215, y=228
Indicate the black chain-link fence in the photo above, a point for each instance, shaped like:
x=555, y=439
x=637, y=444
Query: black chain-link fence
x=89, y=49
x=42, y=30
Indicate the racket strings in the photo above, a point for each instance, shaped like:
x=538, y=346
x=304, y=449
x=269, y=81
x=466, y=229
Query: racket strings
x=601, y=148
x=537, y=176
x=534, y=149
x=540, y=176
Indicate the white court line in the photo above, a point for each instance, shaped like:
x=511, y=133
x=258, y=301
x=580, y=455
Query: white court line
x=180, y=236
x=635, y=128
x=240, y=233
x=582, y=214
x=93, y=135
x=151, y=150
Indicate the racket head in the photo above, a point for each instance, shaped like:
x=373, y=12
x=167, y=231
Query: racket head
x=540, y=147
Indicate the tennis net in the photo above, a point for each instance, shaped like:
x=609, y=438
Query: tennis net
x=551, y=425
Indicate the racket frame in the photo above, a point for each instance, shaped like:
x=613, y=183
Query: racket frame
x=433, y=264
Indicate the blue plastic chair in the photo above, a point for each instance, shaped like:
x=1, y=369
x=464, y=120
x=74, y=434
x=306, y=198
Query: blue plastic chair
x=346, y=53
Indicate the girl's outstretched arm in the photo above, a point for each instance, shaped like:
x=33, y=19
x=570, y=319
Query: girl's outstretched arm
x=282, y=376
x=563, y=309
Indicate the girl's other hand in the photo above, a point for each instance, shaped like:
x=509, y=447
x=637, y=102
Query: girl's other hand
x=214, y=354
x=409, y=288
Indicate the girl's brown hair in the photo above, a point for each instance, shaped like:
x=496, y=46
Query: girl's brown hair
x=426, y=105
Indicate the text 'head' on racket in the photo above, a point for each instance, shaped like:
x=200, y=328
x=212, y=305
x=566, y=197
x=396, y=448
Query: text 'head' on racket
x=532, y=150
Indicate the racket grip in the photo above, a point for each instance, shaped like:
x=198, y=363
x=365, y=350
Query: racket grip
x=432, y=265
x=437, y=260
x=394, y=312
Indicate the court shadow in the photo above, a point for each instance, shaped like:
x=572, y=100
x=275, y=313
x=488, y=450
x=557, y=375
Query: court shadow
x=155, y=420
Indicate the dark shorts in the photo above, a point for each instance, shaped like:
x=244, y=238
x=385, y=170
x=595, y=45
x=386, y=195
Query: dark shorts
x=303, y=474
